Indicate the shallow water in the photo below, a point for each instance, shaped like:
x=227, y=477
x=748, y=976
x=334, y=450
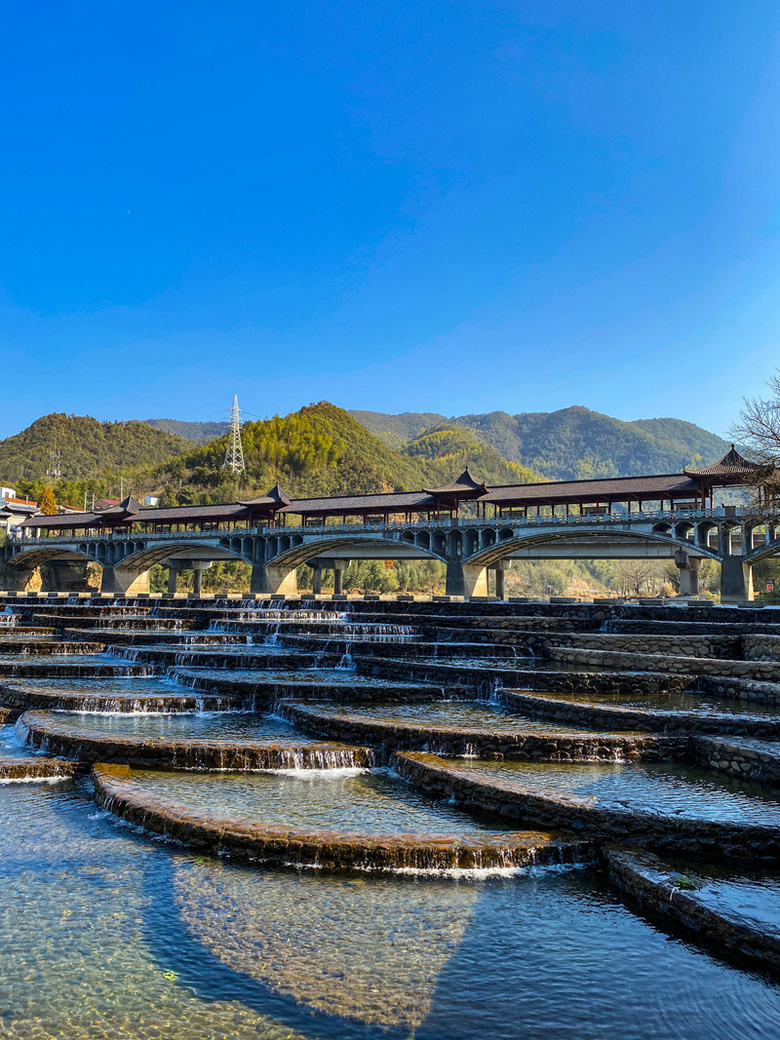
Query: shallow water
x=108, y=686
x=456, y=714
x=356, y=801
x=228, y=726
x=666, y=788
x=134, y=939
x=687, y=702
x=12, y=745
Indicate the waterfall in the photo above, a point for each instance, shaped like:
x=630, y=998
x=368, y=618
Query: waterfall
x=346, y=664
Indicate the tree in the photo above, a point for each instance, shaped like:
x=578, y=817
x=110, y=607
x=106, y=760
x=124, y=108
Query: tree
x=759, y=431
x=47, y=502
x=759, y=426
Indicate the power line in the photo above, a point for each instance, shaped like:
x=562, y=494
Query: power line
x=234, y=456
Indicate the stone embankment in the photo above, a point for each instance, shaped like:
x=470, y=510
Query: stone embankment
x=116, y=791
x=690, y=691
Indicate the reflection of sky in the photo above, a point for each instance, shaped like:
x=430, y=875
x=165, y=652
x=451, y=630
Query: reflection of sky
x=124, y=938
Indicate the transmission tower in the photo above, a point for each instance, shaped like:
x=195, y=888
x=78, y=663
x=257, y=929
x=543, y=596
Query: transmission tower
x=55, y=455
x=234, y=456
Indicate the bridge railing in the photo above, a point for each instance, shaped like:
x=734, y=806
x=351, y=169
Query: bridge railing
x=461, y=523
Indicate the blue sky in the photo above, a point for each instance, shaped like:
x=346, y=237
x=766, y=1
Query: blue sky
x=454, y=206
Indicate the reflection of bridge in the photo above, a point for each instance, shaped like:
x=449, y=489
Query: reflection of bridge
x=469, y=548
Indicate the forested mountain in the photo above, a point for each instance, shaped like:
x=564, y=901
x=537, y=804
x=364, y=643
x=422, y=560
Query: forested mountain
x=80, y=446
x=198, y=432
x=396, y=430
x=573, y=443
x=323, y=450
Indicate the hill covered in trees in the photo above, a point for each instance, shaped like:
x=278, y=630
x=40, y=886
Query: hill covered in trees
x=569, y=444
x=323, y=450
x=82, y=447
x=198, y=432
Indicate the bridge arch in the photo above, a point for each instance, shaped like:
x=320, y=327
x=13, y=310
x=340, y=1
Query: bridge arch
x=500, y=550
x=330, y=547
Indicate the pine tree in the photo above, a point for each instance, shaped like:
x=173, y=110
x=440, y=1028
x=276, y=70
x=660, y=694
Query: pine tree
x=48, y=503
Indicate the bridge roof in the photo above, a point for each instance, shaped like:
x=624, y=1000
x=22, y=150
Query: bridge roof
x=276, y=498
x=611, y=489
x=465, y=486
x=62, y=521
x=385, y=502
x=731, y=469
x=172, y=515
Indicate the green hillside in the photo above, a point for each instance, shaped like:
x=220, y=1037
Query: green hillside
x=323, y=450
x=198, y=432
x=396, y=430
x=576, y=443
x=444, y=452
x=84, y=448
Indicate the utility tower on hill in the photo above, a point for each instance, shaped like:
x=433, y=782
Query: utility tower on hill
x=234, y=456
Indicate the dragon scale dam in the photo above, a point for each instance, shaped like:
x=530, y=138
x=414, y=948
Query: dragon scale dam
x=320, y=817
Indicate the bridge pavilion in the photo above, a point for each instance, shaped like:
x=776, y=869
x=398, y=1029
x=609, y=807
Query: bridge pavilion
x=464, y=523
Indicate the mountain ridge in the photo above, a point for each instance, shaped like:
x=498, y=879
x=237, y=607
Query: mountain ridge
x=572, y=443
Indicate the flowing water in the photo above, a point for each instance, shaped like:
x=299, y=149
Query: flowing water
x=668, y=789
x=126, y=939
x=227, y=726
x=357, y=801
x=480, y=715
x=677, y=702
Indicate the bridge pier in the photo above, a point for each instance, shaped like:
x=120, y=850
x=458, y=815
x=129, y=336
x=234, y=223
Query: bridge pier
x=501, y=567
x=465, y=579
x=64, y=576
x=124, y=582
x=316, y=583
x=339, y=566
x=736, y=580
x=196, y=566
x=690, y=569
x=281, y=581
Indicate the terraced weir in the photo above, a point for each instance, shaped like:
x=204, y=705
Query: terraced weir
x=332, y=820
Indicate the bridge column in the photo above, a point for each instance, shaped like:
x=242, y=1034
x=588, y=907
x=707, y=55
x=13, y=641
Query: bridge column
x=465, y=579
x=124, y=582
x=175, y=566
x=736, y=580
x=502, y=566
x=689, y=576
x=339, y=566
x=317, y=579
x=197, y=575
x=276, y=580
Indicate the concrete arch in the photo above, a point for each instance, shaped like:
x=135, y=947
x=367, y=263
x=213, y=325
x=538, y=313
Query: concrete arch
x=488, y=556
x=684, y=531
x=146, y=558
x=29, y=559
x=330, y=547
x=764, y=552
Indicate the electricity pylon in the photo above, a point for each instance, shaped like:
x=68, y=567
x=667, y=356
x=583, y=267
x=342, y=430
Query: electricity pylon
x=234, y=456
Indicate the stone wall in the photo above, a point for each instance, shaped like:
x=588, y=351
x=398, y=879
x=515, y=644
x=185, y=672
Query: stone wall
x=645, y=879
x=742, y=758
x=514, y=743
x=614, y=717
x=443, y=778
x=768, y=670
x=284, y=845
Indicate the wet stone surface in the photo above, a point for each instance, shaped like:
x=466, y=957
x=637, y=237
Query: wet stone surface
x=136, y=939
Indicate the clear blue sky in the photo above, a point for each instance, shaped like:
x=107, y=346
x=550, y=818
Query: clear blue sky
x=448, y=205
